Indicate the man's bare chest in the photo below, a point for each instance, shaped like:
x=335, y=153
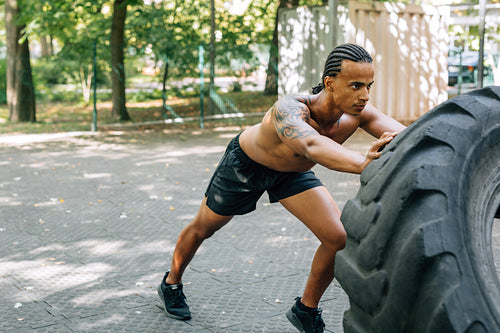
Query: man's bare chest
x=338, y=131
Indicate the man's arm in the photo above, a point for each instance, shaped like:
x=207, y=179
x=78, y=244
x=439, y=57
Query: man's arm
x=290, y=120
x=376, y=123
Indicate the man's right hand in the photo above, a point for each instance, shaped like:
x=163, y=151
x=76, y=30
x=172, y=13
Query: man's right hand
x=377, y=146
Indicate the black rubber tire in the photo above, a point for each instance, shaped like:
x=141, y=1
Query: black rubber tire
x=418, y=256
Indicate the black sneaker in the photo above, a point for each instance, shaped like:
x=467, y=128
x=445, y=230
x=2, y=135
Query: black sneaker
x=304, y=321
x=174, y=300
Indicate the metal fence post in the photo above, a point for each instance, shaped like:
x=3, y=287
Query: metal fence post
x=480, y=63
x=459, y=78
x=94, y=80
x=200, y=66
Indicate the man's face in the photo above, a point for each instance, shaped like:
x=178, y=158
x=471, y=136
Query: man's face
x=351, y=87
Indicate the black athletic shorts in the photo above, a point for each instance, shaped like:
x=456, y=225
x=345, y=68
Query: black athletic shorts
x=239, y=182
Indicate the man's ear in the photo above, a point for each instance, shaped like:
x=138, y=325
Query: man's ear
x=329, y=83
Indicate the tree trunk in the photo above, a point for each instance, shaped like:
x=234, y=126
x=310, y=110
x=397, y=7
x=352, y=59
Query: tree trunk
x=271, y=87
x=164, y=88
x=119, y=109
x=20, y=89
x=46, y=45
x=86, y=77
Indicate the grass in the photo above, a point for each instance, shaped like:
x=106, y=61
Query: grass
x=57, y=117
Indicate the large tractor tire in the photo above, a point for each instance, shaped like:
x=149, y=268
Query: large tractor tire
x=419, y=254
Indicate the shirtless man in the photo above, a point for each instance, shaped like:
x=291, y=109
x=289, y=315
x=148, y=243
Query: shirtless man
x=276, y=156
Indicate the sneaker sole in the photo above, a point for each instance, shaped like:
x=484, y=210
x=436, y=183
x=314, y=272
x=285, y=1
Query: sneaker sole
x=160, y=293
x=295, y=321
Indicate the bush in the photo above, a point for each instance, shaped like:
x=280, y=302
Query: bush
x=237, y=86
x=187, y=91
x=46, y=71
x=143, y=96
x=51, y=94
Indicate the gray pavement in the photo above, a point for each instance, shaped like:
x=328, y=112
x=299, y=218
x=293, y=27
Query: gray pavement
x=88, y=223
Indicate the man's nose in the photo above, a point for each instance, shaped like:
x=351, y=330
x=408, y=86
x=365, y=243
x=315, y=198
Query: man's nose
x=365, y=94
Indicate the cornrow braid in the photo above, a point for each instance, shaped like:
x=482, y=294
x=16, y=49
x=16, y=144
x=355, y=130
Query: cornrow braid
x=334, y=61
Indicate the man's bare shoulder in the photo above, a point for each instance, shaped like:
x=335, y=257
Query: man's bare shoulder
x=294, y=99
x=291, y=117
x=292, y=106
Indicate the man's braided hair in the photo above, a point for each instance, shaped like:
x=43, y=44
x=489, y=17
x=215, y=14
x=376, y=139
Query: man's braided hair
x=332, y=65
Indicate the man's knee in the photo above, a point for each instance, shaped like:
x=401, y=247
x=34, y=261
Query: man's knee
x=203, y=226
x=336, y=241
x=199, y=232
x=341, y=239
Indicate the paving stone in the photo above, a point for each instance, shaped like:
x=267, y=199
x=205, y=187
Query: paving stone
x=88, y=226
x=24, y=315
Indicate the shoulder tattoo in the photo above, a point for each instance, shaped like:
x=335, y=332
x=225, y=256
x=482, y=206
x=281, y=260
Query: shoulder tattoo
x=291, y=118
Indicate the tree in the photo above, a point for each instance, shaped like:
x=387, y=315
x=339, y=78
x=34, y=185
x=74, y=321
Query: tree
x=271, y=87
x=75, y=25
x=168, y=34
x=119, y=109
x=20, y=89
x=47, y=46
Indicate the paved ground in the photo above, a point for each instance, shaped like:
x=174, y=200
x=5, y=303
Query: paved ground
x=88, y=224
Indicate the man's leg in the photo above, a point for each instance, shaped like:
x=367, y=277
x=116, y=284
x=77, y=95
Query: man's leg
x=319, y=212
x=204, y=225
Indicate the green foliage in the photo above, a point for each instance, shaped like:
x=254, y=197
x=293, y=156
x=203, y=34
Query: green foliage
x=237, y=86
x=156, y=33
x=52, y=94
x=143, y=96
x=49, y=71
x=75, y=26
x=167, y=31
x=161, y=32
x=171, y=31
